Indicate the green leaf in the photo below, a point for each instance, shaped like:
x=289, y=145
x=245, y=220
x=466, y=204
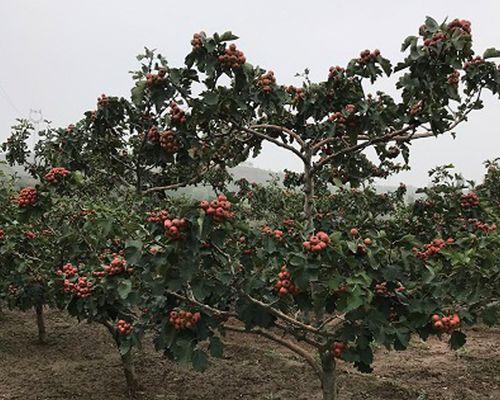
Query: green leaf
x=431, y=24
x=200, y=360
x=215, y=347
x=457, y=340
x=124, y=288
x=491, y=53
x=210, y=98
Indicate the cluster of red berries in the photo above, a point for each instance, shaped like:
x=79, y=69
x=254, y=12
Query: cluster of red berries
x=82, y=288
x=70, y=128
x=197, y=41
x=336, y=72
x=446, y=324
x=436, y=38
x=56, y=174
x=68, y=270
x=102, y=100
x=285, y=285
x=157, y=216
x=298, y=93
x=454, y=78
x=276, y=233
x=432, y=248
x=337, y=117
x=123, y=327
x=184, y=319
x=117, y=266
x=155, y=79
x=153, y=134
x=30, y=235
x=265, y=81
x=2, y=234
x=482, y=226
x=220, y=208
x=461, y=24
x=367, y=56
x=176, y=113
x=382, y=290
x=317, y=242
x=173, y=227
x=469, y=200
x=232, y=57
x=416, y=108
x=168, y=141
x=27, y=197
x=337, y=349
x=474, y=61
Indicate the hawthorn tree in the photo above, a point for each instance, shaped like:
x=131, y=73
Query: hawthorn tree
x=330, y=268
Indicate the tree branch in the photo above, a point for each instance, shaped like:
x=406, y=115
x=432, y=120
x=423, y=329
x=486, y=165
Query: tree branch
x=281, y=129
x=284, y=342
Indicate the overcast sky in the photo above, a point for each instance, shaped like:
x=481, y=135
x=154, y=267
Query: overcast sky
x=58, y=56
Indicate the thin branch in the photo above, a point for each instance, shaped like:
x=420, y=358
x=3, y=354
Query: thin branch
x=178, y=185
x=206, y=308
x=284, y=342
x=281, y=129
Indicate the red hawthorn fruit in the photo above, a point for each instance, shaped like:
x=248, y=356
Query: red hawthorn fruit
x=317, y=243
x=285, y=285
x=219, y=209
x=124, y=328
x=56, y=174
x=27, y=197
x=184, y=319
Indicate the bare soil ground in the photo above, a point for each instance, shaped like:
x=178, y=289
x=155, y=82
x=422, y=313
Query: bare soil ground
x=81, y=362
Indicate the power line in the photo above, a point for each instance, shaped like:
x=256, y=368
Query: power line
x=7, y=98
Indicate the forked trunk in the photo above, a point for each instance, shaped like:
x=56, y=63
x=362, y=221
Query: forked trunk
x=329, y=377
x=40, y=322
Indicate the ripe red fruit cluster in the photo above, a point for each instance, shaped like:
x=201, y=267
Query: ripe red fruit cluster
x=367, y=56
x=435, y=39
x=381, y=289
x=337, y=349
x=317, y=243
x=354, y=232
x=454, y=78
x=153, y=134
x=337, y=117
x=232, y=57
x=155, y=79
x=482, y=226
x=102, y=100
x=27, y=197
x=474, y=61
x=350, y=108
x=70, y=128
x=56, y=174
x=68, y=270
x=173, y=227
x=265, y=81
x=82, y=288
x=157, y=216
x=468, y=200
x=2, y=234
x=117, y=266
x=298, y=93
x=276, y=233
x=432, y=248
x=168, y=141
x=197, y=42
x=446, y=324
x=460, y=24
x=336, y=72
x=30, y=235
x=220, y=208
x=176, y=114
x=285, y=284
x=123, y=327
x=13, y=290
x=184, y=319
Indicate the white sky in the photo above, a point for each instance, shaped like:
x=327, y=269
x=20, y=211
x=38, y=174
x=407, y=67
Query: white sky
x=58, y=56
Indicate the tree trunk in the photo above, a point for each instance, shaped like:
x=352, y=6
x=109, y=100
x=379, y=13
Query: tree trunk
x=127, y=360
x=40, y=321
x=329, y=376
x=129, y=371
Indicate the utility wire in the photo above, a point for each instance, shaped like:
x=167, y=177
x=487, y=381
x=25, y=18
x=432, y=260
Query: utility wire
x=4, y=94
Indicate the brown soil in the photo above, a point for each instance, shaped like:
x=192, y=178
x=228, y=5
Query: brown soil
x=81, y=362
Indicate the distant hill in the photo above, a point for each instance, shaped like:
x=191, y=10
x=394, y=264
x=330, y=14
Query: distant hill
x=245, y=170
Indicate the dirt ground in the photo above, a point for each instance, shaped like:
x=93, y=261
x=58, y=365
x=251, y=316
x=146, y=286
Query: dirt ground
x=80, y=362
